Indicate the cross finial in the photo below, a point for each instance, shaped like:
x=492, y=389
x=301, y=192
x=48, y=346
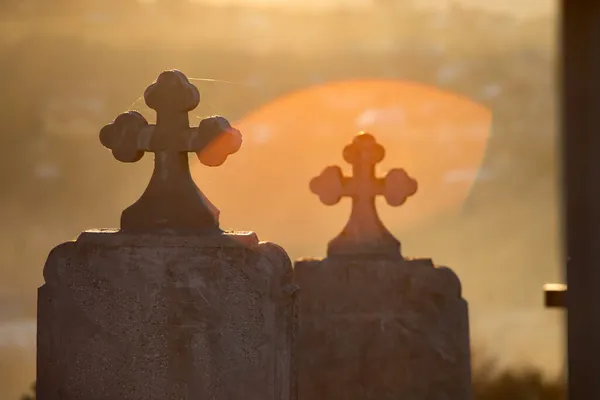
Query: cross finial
x=172, y=200
x=364, y=233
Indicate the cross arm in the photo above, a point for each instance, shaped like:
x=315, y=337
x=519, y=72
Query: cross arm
x=122, y=136
x=329, y=186
x=397, y=186
x=130, y=135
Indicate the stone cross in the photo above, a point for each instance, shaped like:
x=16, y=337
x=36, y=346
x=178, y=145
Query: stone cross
x=172, y=199
x=364, y=233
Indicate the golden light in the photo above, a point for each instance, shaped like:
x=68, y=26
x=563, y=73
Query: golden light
x=440, y=139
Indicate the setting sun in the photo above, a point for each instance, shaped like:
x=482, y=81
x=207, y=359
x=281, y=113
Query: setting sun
x=439, y=138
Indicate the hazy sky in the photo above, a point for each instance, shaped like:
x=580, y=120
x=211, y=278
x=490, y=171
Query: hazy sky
x=519, y=7
x=527, y=8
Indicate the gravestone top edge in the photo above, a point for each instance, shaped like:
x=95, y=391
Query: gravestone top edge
x=114, y=237
x=365, y=259
x=423, y=269
x=92, y=241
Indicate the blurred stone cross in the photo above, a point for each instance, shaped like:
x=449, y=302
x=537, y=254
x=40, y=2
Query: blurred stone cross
x=364, y=233
x=172, y=200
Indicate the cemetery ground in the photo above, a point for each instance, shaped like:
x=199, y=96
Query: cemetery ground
x=492, y=384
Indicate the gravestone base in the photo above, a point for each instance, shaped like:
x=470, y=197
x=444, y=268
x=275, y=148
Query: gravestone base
x=381, y=330
x=166, y=317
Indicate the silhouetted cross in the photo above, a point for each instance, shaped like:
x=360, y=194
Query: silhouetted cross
x=364, y=233
x=172, y=200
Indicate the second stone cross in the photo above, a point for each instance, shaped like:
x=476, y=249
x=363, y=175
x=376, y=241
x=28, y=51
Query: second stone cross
x=373, y=324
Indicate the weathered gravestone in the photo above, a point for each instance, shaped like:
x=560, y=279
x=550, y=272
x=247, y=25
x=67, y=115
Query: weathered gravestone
x=374, y=325
x=169, y=306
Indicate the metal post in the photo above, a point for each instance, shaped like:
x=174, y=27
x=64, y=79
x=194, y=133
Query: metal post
x=581, y=152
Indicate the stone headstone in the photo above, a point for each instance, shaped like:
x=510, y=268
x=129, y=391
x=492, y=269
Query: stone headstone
x=170, y=306
x=374, y=325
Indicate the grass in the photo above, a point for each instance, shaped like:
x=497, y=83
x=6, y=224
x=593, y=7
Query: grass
x=490, y=384
x=526, y=384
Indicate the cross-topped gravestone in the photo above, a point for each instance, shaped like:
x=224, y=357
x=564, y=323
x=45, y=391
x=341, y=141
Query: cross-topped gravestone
x=373, y=324
x=171, y=200
x=169, y=307
x=364, y=233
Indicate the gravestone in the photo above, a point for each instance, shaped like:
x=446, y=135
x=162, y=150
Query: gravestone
x=170, y=306
x=374, y=325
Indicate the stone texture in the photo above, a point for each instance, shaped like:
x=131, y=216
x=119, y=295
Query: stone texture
x=377, y=329
x=166, y=317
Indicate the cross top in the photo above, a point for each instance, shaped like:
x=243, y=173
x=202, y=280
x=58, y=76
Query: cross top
x=172, y=200
x=364, y=234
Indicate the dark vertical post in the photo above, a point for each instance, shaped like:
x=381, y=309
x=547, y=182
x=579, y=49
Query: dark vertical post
x=581, y=151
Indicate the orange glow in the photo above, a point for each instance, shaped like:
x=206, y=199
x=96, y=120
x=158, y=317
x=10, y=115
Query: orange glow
x=439, y=138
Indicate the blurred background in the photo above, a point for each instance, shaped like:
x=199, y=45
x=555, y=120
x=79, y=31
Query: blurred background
x=461, y=94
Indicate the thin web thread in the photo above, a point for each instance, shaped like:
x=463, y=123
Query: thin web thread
x=132, y=106
x=136, y=101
